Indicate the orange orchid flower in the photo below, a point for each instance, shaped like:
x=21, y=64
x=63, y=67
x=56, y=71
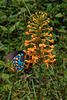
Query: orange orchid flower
x=29, y=22
x=26, y=41
x=28, y=61
x=39, y=45
x=26, y=44
x=51, y=41
x=28, y=26
x=40, y=28
x=47, y=65
x=27, y=33
x=51, y=56
x=12, y=69
x=51, y=61
x=52, y=46
x=51, y=28
x=46, y=34
x=42, y=45
x=50, y=35
x=33, y=39
x=48, y=50
x=31, y=30
x=31, y=49
x=31, y=26
x=44, y=24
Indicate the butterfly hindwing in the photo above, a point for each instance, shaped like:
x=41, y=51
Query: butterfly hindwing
x=27, y=70
x=19, y=64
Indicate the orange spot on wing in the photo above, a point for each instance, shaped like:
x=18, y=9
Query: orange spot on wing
x=23, y=63
x=19, y=70
x=19, y=55
x=16, y=61
x=12, y=69
x=17, y=58
x=21, y=66
x=17, y=64
x=14, y=57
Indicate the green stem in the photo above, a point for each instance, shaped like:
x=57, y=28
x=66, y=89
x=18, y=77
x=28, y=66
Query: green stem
x=27, y=7
x=39, y=96
x=9, y=39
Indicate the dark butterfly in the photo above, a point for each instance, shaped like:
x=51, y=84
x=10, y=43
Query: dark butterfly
x=19, y=58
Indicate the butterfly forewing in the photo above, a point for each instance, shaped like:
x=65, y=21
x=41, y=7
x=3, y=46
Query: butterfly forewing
x=11, y=55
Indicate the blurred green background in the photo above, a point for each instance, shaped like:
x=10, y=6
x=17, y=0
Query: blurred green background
x=14, y=15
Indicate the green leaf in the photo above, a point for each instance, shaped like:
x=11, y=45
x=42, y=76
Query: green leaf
x=12, y=29
x=65, y=19
x=56, y=21
x=5, y=76
x=49, y=7
x=33, y=88
x=28, y=97
x=23, y=9
x=59, y=15
x=3, y=17
x=2, y=47
x=3, y=64
x=4, y=1
x=62, y=30
x=3, y=28
x=17, y=24
x=1, y=67
x=13, y=18
x=28, y=0
x=7, y=87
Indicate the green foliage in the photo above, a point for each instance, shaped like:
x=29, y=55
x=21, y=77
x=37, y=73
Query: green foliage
x=14, y=15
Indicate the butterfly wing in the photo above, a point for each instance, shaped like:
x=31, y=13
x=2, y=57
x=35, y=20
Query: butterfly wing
x=19, y=63
x=28, y=69
x=11, y=55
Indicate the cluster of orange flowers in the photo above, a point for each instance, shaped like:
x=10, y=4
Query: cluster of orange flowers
x=40, y=51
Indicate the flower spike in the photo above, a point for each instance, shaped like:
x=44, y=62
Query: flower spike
x=40, y=52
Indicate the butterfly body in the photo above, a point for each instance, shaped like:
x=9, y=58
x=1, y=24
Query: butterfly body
x=19, y=58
